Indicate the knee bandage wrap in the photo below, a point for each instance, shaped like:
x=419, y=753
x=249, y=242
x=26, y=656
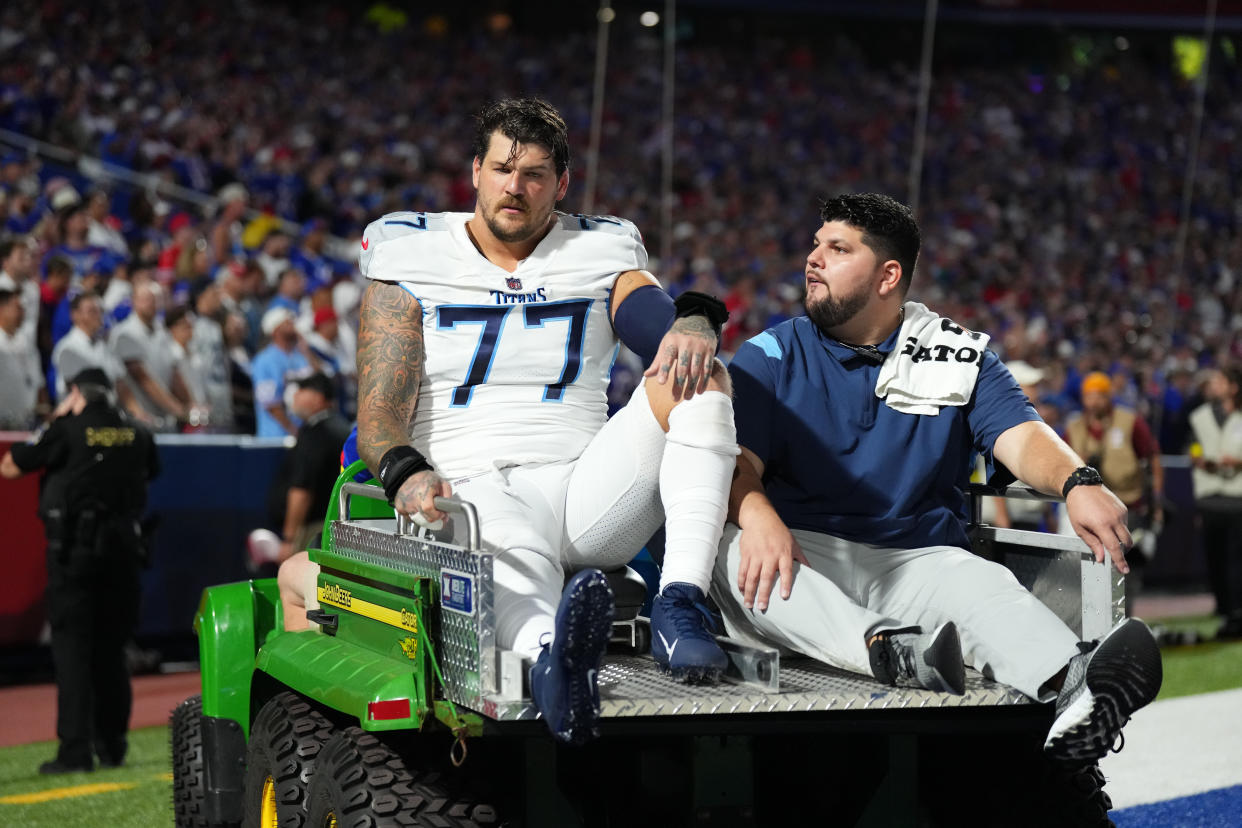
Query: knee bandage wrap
x=705, y=421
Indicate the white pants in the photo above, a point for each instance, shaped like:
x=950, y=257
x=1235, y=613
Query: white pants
x=851, y=590
x=546, y=520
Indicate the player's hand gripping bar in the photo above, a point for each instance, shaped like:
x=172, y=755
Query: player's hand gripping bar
x=405, y=525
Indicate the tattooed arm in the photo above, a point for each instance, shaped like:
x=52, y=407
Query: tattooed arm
x=390, y=363
x=686, y=353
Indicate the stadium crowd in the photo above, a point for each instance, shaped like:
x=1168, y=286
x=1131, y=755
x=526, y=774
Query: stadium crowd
x=1050, y=199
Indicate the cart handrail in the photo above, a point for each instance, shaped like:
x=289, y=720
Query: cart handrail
x=405, y=526
x=1019, y=491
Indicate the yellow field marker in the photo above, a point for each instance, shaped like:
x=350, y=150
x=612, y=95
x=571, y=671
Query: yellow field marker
x=66, y=793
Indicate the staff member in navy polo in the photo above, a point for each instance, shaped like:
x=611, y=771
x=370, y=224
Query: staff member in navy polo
x=97, y=462
x=859, y=425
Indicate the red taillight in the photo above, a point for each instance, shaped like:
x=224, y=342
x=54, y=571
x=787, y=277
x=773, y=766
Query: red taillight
x=389, y=709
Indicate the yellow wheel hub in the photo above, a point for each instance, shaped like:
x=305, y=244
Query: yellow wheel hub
x=267, y=805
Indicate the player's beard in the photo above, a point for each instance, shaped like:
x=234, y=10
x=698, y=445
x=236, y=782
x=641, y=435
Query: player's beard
x=510, y=234
x=829, y=312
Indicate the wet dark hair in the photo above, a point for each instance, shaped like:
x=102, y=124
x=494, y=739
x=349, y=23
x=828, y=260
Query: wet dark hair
x=888, y=227
x=524, y=121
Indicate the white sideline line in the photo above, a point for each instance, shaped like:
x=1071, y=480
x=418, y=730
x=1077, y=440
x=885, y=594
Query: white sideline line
x=1178, y=747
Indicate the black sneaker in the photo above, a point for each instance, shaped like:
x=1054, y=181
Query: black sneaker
x=683, y=640
x=932, y=661
x=1105, y=684
x=55, y=766
x=564, y=679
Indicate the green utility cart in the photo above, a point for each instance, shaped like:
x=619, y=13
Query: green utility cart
x=398, y=708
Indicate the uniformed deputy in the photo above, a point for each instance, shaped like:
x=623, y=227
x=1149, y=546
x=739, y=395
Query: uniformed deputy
x=98, y=462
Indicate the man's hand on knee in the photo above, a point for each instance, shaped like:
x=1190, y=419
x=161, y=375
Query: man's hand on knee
x=767, y=555
x=685, y=356
x=664, y=398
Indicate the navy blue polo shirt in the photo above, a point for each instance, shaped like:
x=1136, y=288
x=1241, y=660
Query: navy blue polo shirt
x=838, y=460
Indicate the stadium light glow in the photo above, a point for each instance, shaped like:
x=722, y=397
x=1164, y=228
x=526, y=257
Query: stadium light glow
x=649, y=19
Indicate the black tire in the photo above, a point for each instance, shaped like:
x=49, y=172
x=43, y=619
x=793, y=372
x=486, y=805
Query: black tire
x=1074, y=796
x=285, y=740
x=1021, y=788
x=359, y=782
x=189, y=791
x=1051, y=793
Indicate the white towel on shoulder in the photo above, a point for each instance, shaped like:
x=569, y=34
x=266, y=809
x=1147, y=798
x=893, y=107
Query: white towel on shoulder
x=935, y=363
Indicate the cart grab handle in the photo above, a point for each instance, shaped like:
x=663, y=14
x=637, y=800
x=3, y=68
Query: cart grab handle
x=405, y=526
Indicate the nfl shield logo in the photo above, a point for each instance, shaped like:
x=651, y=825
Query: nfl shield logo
x=513, y=283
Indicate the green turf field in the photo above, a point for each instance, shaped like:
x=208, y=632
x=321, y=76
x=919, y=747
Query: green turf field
x=1200, y=668
x=140, y=794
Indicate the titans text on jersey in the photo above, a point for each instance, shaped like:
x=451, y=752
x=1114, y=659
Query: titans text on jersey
x=503, y=298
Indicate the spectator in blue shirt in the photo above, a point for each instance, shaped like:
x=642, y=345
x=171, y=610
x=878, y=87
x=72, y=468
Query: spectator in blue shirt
x=858, y=425
x=272, y=369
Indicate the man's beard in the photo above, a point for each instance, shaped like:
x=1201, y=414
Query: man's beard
x=829, y=312
x=510, y=234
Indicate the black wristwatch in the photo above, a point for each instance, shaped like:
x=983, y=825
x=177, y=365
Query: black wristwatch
x=1081, y=476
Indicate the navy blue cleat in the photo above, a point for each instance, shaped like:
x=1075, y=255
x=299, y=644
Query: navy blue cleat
x=683, y=640
x=563, y=681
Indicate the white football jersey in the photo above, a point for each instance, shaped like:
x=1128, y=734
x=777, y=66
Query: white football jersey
x=517, y=364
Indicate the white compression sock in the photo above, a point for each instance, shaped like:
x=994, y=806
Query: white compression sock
x=694, y=486
x=527, y=589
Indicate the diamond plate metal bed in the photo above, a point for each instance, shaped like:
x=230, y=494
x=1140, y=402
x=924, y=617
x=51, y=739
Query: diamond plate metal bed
x=1058, y=569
